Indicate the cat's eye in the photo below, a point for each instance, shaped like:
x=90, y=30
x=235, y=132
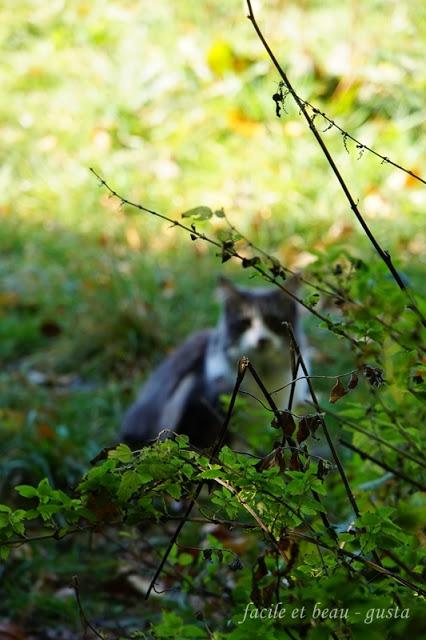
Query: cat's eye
x=274, y=322
x=241, y=325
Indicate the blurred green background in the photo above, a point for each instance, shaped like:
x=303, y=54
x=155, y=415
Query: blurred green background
x=171, y=103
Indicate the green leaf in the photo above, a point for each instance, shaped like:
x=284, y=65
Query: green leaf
x=4, y=552
x=198, y=213
x=122, y=453
x=44, y=489
x=94, y=477
x=210, y=474
x=48, y=510
x=144, y=475
x=187, y=470
x=174, y=490
x=296, y=487
x=26, y=491
x=185, y=559
x=310, y=506
x=182, y=441
x=4, y=520
x=19, y=527
x=129, y=484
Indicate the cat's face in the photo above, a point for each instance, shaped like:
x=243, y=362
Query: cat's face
x=253, y=320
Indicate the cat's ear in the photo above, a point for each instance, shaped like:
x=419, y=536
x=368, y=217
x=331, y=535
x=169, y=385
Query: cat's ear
x=226, y=289
x=293, y=282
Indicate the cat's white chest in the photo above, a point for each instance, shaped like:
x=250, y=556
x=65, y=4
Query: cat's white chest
x=220, y=374
x=218, y=370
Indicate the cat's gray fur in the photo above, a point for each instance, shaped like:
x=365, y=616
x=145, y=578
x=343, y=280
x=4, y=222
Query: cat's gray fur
x=182, y=394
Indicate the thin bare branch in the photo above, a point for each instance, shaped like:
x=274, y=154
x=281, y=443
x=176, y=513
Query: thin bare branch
x=383, y=465
x=373, y=436
x=233, y=253
x=324, y=426
x=359, y=558
x=84, y=620
x=361, y=146
x=384, y=255
x=242, y=367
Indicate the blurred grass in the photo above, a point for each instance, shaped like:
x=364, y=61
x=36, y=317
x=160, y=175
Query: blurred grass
x=171, y=103
x=174, y=114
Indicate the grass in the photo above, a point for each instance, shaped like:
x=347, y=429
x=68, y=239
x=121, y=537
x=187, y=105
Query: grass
x=171, y=103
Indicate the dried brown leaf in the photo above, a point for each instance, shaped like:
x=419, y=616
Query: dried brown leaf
x=285, y=422
x=337, y=392
x=353, y=381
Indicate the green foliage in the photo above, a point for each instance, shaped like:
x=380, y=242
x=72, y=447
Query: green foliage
x=273, y=501
x=92, y=294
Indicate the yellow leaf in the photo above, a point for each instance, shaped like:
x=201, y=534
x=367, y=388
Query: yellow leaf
x=9, y=299
x=241, y=124
x=411, y=182
x=133, y=238
x=220, y=58
x=11, y=419
x=294, y=128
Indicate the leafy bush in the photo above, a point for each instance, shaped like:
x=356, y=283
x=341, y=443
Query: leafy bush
x=296, y=537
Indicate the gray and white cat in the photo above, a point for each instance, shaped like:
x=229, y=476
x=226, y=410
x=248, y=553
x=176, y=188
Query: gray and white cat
x=182, y=394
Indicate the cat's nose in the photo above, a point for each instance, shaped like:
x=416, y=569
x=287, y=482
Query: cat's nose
x=263, y=343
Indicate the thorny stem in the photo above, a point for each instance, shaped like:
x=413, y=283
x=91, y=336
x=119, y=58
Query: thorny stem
x=84, y=620
x=384, y=255
x=318, y=543
x=289, y=439
x=266, y=255
x=193, y=232
x=295, y=364
x=366, y=456
x=361, y=146
x=332, y=292
x=356, y=427
x=242, y=367
x=292, y=382
x=323, y=424
x=358, y=558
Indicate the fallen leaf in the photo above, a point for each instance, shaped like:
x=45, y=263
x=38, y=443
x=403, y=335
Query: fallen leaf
x=220, y=58
x=10, y=631
x=46, y=432
x=9, y=299
x=240, y=123
x=133, y=238
x=50, y=329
